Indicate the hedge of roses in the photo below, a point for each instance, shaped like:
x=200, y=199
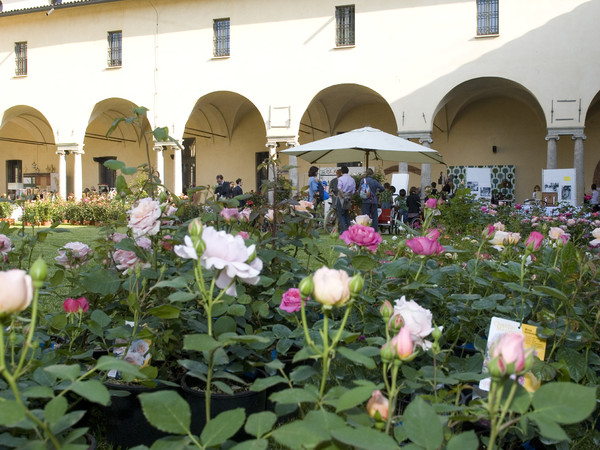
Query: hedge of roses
x=369, y=342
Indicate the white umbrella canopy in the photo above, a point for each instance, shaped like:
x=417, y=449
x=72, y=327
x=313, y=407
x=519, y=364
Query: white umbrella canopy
x=367, y=143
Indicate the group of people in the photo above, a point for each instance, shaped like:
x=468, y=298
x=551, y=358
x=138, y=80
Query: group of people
x=226, y=189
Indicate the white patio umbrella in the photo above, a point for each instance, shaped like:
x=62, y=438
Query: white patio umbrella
x=368, y=143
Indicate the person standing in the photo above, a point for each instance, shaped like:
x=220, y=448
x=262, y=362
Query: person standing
x=223, y=189
x=413, y=203
x=237, y=190
x=313, y=185
x=370, y=204
x=346, y=187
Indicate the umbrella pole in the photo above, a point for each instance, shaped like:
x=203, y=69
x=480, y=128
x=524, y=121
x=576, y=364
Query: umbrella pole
x=367, y=163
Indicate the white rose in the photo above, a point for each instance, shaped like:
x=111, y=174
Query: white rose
x=331, y=286
x=555, y=232
x=144, y=218
x=417, y=319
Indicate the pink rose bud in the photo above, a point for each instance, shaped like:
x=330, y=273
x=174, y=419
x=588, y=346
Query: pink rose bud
x=378, y=406
x=534, y=241
x=17, y=291
x=71, y=306
x=396, y=323
x=386, y=310
x=402, y=344
x=508, y=355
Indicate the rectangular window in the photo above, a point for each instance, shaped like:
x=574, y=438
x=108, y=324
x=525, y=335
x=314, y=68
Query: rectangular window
x=487, y=17
x=20, y=58
x=115, y=47
x=221, y=37
x=344, y=25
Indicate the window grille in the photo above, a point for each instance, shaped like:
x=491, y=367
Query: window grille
x=487, y=17
x=20, y=58
x=115, y=48
x=221, y=37
x=344, y=25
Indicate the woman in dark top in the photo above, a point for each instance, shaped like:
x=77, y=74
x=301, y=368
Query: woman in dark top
x=413, y=203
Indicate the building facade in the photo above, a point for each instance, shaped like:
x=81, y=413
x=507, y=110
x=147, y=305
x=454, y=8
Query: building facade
x=484, y=82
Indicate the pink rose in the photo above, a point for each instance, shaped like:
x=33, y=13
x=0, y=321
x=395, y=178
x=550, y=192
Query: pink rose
x=331, y=286
x=74, y=255
x=144, y=218
x=422, y=245
x=243, y=234
x=534, y=241
x=244, y=215
x=126, y=260
x=76, y=305
x=433, y=233
x=5, y=245
x=229, y=255
x=378, y=406
x=362, y=236
x=229, y=214
x=17, y=291
x=431, y=203
x=291, y=301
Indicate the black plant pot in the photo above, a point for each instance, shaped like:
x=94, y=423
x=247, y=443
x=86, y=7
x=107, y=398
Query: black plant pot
x=126, y=425
x=251, y=401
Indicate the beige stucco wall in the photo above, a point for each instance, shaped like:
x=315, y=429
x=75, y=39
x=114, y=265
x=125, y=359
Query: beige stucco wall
x=411, y=54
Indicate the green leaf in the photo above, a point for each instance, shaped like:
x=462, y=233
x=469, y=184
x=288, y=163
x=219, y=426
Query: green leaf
x=356, y=357
x=182, y=296
x=67, y=421
x=55, y=409
x=353, y=397
x=422, y=424
x=363, y=262
x=254, y=444
x=11, y=412
x=564, y=403
x=575, y=363
x=93, y=390
x=178, y=283
x=260, y=384
x=553, y=292
x=101, y=318
x=302, y=373
x=366, y=438
x=103, y=282
x=463, y=441
x=300, y=435
x=38, y=392
x=165, y=312
x=548, y=428
x=167, y=411
x=260, y=423
x=128, y=170
x=110, y=362
x=521, y=399
x=222, y=427
x=114, y=164
x=294, y=395
x=224, y=324
x=63, y=371
x=325, y=419
x=200, y=343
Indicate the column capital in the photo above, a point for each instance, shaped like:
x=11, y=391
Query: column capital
x=422, y=136
x=165, y=145
x=69, y=149
x=580, y=135
x=553, y=133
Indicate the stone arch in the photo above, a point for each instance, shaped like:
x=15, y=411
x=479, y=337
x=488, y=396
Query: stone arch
x=223, y=134
x=492, y=121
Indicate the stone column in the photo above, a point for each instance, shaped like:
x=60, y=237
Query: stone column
x=177, y=171
x=77, y=174
x=402, y=167
x=160, y=161
x=293, y=172
x=425, y=168
x=62, y=173
x=578, y=155
x=272, y=169
x=551, y=152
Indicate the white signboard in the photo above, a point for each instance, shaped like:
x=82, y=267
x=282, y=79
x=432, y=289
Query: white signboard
x=561, y=183
x=479, y=180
